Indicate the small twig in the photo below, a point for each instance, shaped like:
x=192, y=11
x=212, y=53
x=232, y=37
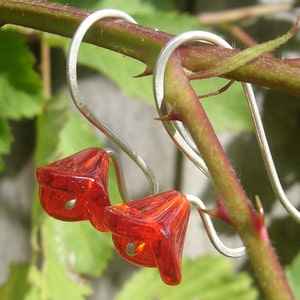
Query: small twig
x=216, y=18
x=219, y=91
x=46, y=69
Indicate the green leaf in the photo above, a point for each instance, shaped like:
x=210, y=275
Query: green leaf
x=120, y=69
x=16, y=285
x=207, y=278
x=135, y=5
x=227, y=111
x=57, y=279
x=293, y=276
x=20, y=86
x=70, y=249
x=76, y=135
x=87, y=251
x=170, y=21
x=49, y=126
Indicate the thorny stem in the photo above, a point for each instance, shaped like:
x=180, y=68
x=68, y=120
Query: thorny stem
x=248, y=223
x=144, y=44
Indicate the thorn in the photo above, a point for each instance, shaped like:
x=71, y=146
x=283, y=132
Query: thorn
x=212, y=212
x=220, y=212
x=260, y=211
x=172, y=116
x=163, y=118
x=147, y=72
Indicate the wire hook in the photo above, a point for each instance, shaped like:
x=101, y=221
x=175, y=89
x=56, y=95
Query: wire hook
x=176, y=129
x=211, y=231
x=179, y=134
x=71, y=71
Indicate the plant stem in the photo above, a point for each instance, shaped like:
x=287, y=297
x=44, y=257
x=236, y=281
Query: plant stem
x=144, y=44
x=248, y=223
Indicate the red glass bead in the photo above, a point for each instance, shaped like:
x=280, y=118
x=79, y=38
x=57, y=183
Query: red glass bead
x=150, y=232
x=75, y=188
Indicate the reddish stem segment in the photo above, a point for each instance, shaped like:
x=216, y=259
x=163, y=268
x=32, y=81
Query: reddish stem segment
x=144, y=44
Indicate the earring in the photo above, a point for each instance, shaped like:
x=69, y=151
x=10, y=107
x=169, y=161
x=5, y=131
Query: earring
x=178, y=132
x=71, y=71
x=75, y=188
x=147, y=232
x=150, y=232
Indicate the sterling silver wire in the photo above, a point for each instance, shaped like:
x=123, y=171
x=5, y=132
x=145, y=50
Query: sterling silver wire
x=211, y=231
x=71, y=70
x=178, y=132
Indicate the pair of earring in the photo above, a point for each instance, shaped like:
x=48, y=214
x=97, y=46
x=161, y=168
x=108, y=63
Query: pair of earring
x=149, y=231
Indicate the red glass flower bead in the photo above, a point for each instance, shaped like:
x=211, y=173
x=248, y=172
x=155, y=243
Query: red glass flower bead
x=75, y=188
x=150, y=232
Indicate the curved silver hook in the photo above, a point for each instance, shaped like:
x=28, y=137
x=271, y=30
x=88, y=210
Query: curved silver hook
x=211, y=231
x=176, y=129
x=178, y=132
x=83, y=107
x=266, y=154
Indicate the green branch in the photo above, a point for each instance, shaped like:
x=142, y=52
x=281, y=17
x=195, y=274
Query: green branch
x=144, y=44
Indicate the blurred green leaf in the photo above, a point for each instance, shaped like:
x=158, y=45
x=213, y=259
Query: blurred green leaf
x=170, y=21
x=121, y=69
x=206, y=278
x=293, y=276
x=227, y=111
x=57, y=278
x=87, y=251
x=70, y=250
x=20, y=86
x=16, y=285
x=49, y=126
x=76, y=135
x=146, y=6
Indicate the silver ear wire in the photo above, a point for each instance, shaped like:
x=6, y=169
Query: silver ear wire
x=179, y=134
x=83, y=107
x=176, y=129
x=211, y=232
x=266, y=154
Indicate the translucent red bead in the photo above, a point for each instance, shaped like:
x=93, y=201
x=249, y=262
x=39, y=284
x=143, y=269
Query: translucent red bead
x=75, y=188
x=147, y=232
x=150, y=232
